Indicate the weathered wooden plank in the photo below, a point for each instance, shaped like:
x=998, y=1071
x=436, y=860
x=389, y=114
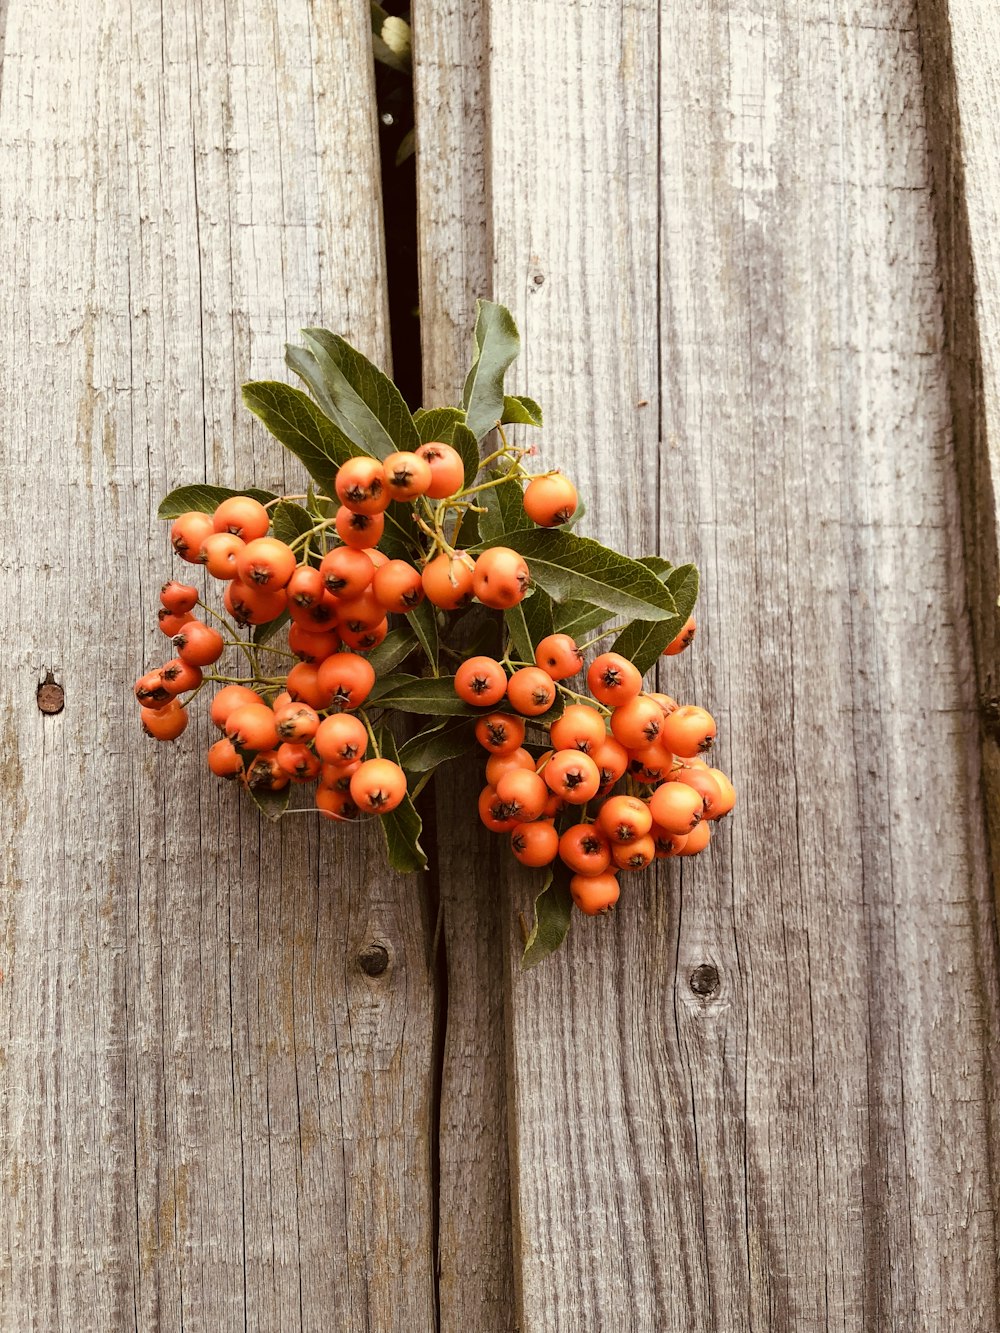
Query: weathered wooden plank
x=211, y=1116
x=475, y=1260
x=959, y=46
x=757, y=1098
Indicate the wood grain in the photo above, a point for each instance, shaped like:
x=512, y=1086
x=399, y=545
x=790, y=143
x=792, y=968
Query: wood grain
x=809, y=1143
x=210, y=1117
x=959, y=44
x=475, y=1258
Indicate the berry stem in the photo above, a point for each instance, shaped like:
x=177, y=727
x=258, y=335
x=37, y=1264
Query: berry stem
x=615, y=629
x=371, y=734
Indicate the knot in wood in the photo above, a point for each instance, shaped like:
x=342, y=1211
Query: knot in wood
x=373, y=959
x=50, y=695
x=704, y=980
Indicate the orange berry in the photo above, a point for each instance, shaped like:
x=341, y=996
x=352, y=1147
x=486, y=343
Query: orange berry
x=253, y=605
x=151, y=690
x=346, y=571
x=676, y=807
x=346, y=679
x=612, y=759
x=398, y=586
x=378, y=786
x=500, y=733
x=179, y=676
x=534, y=843
x=360, y=485
x=531, y=691
x=703, y=783
x=727, y=794
x=219, y=553
x=667, y=844
x=199, y=644
x=341, y=739
x=252, y=727
x=305, y=587
x=360, y=613
x=558, y=655
x=613, y=679
x=580, y=728
x=359, y=530
x=377, y=557
x=164, y=724
x=297, y=760
x=363, y=641
x=337, y=805
x=523, y=795
x=224, y=760
x=481, y=681
x=682, y=640
x=667, y=704
x=187, y=532
x=243, y=516
x=550, y=501
x=407, y=475
x=296, y=721
x=312, y=647
x=304, y=685
x=338, y=776
x=228, y=698
x=170, y=623
x=652, y=763
x=320, y=618
x=573, y=776
x=447, y=469
x=265, y=563
x=266, y=774
x=499, y=764
x=178, y=597
x=635, y=855
x=624, y=818
x=688, y=731
x=501, y=577
x=594, y=894
x=697, y=840
x=637, y=723
x=448, y=581
x=493, y=812
x=585, y=849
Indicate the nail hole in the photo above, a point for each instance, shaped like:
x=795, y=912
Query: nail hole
x=704, y=980
x=50, y=695
x=373, y=959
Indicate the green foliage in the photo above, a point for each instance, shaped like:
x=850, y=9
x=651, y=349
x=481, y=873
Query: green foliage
x=203, y=499
x=553, y=911
x=401, y=827
x=497, y=346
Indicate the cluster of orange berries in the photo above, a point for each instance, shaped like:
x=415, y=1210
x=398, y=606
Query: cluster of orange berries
x=302, y=727
x=653, y=744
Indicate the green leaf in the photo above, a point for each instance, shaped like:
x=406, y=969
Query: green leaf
x=553, y=912
x=497, y=345
x=577, y=618
x=411, y=694
x=264, y=633
x=394, y=649
x=643, y=641
x=529, y=622
x=304, y=364
x=423, y=622
x=504, y=510
x=567, y=566
x=519, y=410
x=293, y=418
x=369, y=408
x=401, y=537
x=402, y=827
x=436, y=425
x=437, y=743
x=271, y=804
x=204, y=499
x=290, y=520
x=467, y=445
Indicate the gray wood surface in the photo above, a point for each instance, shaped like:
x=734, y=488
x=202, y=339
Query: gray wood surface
x=808, y=1144
x=475, y=1257
x=961, y=55
x=210, y=1116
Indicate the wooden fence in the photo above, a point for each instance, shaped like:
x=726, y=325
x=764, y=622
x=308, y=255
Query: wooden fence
x=740, y=241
